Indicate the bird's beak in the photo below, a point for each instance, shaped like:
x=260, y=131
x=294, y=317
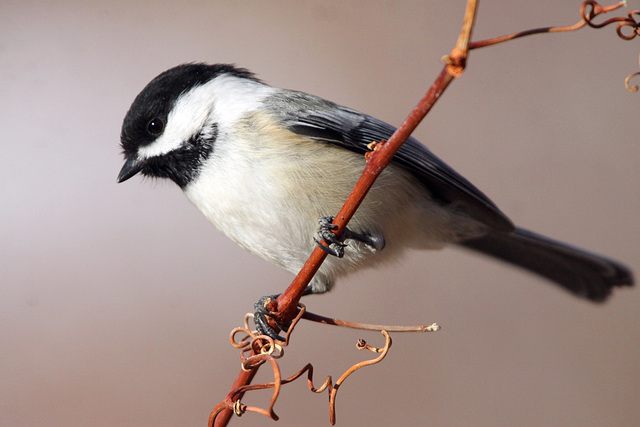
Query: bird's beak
x=130, y=168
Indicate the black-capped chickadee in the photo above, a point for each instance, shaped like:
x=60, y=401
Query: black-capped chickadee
x=264, y=164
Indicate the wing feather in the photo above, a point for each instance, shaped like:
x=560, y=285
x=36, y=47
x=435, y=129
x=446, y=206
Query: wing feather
x=322, y=120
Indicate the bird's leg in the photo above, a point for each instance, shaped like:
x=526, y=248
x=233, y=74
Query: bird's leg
x=335, y=244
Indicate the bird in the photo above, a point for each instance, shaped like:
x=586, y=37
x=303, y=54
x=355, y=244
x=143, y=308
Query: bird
x=268, y=166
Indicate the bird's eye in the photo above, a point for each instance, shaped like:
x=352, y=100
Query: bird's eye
x=155, y=126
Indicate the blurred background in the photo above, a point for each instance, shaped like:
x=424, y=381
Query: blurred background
x=116, y=301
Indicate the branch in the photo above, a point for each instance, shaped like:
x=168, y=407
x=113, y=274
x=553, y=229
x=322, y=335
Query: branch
x=285, y=308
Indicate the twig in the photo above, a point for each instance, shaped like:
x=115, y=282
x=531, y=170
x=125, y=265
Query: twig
x=368, y=327
x=588, y=11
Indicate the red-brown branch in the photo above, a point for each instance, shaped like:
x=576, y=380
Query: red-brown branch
x=285, y=306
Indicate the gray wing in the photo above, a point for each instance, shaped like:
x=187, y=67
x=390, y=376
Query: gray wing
x=325, y=121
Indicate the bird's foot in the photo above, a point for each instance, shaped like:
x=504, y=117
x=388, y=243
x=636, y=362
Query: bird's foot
x=334, y=245
x=263, y=314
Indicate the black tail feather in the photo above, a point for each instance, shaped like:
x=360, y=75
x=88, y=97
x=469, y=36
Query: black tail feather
x=582, y=273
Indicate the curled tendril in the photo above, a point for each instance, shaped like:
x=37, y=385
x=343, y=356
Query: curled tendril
x=256, y=350
x=271, y=351
x=238, y=408
x=591, y=9
x=629, y=22
x=630, y=88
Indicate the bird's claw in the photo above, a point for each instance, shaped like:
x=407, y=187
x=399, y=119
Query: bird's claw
x=327, y=240
x=334, y=245
x=261, y=319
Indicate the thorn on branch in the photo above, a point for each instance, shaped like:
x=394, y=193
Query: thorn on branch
x=373, y=147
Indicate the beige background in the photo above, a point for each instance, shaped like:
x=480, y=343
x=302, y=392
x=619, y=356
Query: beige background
x=116, y=300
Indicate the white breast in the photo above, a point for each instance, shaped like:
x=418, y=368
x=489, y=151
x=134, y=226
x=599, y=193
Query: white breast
x=265, y=187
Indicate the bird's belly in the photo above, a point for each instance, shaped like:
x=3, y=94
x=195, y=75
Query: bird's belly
x=270, y=206
x=259, y=214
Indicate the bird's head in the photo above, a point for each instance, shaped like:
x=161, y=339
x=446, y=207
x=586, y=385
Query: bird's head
x=172, y=125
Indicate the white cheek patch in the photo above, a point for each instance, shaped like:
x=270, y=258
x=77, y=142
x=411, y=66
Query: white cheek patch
x=185, y=120
x=223, y=100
